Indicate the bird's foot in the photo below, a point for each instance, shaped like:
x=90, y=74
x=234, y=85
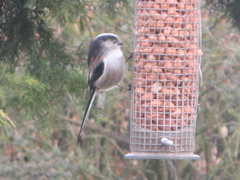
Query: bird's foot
x=129, y=57
x=127, y=88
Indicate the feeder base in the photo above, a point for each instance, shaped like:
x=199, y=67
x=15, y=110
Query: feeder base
x=176, y=156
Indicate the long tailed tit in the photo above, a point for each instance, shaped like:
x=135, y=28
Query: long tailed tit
x=106, y=68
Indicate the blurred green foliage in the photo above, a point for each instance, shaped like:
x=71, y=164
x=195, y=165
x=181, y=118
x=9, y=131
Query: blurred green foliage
x=43, y=60
x=225, y=9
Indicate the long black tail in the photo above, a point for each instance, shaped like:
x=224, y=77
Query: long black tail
x=85, y=118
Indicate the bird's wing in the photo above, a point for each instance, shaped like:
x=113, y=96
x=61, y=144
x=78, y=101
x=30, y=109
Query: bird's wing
x=93, y=62
x=96, y=73
x=95, y=70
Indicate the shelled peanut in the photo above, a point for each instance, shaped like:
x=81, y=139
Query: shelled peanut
x=166, y=64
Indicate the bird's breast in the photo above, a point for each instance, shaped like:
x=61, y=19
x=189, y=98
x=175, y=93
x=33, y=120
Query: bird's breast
x=114, y=68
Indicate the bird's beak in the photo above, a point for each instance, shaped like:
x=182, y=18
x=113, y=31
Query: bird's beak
x=120, y=43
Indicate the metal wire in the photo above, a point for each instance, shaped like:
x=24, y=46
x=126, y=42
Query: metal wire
x=166, y=74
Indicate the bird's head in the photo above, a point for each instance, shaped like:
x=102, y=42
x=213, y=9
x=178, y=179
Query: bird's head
x=109, y=41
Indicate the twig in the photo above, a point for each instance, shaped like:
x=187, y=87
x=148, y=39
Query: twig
x=218, y=42
x=115, y=135
x=219, y=82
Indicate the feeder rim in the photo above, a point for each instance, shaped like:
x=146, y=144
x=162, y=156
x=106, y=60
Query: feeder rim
x=166, y=156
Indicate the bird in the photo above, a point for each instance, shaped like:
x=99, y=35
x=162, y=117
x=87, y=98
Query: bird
x=106, y=68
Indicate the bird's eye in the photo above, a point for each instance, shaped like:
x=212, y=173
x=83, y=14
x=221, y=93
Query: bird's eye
x=114, y=41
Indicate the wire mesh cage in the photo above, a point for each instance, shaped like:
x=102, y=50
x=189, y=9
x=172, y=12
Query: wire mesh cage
x=166, y=73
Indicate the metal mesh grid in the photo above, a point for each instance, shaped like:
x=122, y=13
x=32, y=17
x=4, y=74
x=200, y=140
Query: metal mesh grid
x=166, y=76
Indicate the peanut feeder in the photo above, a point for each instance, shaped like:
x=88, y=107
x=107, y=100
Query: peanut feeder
x=166, y=73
